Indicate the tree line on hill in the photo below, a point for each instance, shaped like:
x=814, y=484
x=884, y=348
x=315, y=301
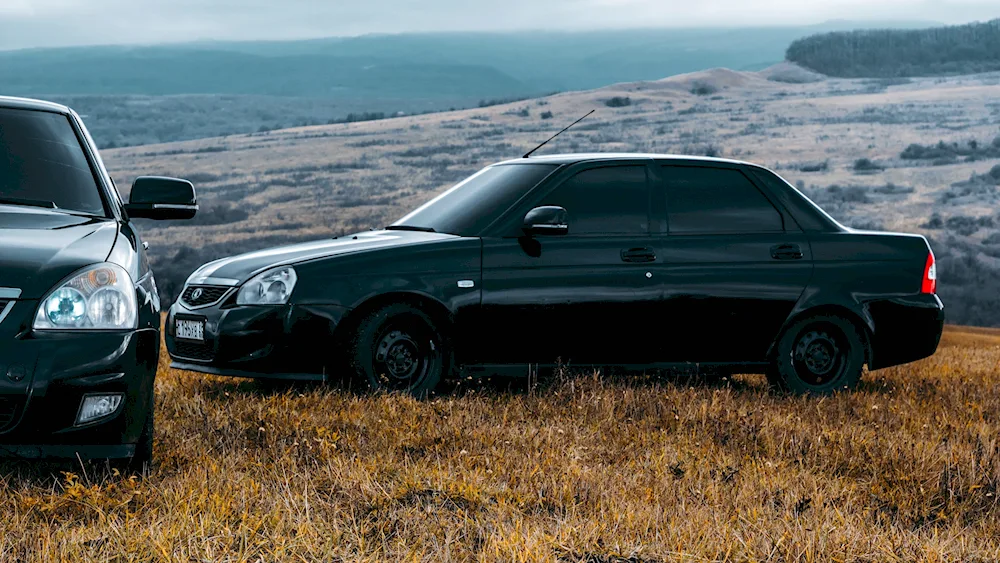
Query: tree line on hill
x=875, y=53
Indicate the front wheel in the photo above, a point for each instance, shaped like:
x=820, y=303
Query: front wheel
x=399, y=348
x=818, y=355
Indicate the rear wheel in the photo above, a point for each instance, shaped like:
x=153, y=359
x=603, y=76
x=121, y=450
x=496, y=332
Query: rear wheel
x=818, y=356
x=399, y=348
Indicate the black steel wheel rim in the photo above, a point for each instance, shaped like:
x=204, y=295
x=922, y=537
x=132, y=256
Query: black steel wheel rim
x=819, y=355
x=404, y=354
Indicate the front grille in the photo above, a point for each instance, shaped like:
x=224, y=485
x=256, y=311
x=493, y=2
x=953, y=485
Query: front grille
x=209, y=294
x=10, y=409
x=193, y=351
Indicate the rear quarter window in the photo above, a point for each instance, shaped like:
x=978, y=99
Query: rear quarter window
x=42, y=160
x=703, y=200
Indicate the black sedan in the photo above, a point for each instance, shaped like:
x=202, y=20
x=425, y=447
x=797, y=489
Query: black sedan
x=626, y=260
x=79, y=311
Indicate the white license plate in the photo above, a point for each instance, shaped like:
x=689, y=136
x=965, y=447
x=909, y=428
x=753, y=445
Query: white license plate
x=190, y=330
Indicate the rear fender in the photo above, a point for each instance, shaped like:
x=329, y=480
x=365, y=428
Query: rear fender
x=816, y=301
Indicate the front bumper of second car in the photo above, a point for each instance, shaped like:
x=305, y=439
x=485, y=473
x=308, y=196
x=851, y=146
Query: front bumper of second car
x=292, y=342
x=45, y=376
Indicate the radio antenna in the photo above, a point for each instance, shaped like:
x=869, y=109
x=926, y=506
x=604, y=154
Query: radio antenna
x=557, y=134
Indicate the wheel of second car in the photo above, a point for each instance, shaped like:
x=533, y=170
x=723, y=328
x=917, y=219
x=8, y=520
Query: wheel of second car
x=818, y=355
x=399, y=348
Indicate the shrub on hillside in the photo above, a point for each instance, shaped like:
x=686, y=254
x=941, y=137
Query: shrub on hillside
x=866, y=166
x=703, y=89
x=618, y=102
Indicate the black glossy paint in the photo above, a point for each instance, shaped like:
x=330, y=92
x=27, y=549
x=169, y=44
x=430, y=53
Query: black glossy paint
x=39, y=248
x=161, y=198
x=644, y=297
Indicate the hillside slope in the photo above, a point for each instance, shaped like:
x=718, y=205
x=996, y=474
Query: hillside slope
x=848, y=142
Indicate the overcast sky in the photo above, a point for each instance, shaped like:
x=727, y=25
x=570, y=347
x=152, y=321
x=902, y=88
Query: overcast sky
x=38, y=23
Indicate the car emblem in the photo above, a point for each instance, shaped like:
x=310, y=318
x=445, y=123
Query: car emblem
x=197, y=294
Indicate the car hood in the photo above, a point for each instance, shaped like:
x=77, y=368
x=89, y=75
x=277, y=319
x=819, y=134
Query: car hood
x=38, y=247
x=238, y=269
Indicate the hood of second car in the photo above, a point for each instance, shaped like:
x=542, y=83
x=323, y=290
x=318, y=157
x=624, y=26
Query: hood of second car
x=38, y=247
x=240, y=268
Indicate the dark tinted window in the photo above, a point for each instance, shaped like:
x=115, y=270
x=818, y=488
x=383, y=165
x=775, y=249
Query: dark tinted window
x=607, y=200
x=809, y=216
x=41, y=160
x=716, y=200
x=477, y=201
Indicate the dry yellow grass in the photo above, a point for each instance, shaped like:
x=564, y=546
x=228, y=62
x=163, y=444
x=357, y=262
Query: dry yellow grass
x=581, y=469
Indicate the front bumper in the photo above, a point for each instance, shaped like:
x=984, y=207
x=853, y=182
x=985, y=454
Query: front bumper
x=294, y=342
x=44, y=377
x=906, y=329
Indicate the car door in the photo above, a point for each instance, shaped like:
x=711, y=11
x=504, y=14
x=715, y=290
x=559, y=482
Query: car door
x=577, y=296
x=733, y=265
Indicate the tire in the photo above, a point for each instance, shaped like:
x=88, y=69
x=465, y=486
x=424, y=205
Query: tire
x=142, y=460
x=818, y=355
x=398, y=348
x=143, y=457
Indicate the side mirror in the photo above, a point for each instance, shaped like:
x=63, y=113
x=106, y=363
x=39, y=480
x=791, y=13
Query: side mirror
x=545, y=220
x=159, y=198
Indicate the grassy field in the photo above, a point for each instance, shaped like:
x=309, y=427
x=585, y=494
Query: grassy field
x=626, y=468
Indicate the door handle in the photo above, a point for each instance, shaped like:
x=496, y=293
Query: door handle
x=638, y=255
x=786, y=252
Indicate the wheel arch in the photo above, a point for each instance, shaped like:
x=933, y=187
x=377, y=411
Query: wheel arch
x=860, y=319
x=435, y=309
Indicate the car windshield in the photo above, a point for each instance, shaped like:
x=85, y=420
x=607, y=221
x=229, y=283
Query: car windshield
x=42, y=164
x=474, y=203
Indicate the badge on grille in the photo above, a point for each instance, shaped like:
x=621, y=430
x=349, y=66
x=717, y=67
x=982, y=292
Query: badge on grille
x=197, y=294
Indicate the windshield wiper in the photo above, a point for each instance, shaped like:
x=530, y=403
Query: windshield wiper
x=28, y=202
x=410, y=228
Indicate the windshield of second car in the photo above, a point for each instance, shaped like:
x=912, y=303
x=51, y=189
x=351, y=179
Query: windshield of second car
x=477, y=201
x=42, y=164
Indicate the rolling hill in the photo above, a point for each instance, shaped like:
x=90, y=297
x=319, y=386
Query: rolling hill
x=148, y=94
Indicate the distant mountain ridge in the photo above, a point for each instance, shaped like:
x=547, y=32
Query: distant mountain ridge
x=424, y=65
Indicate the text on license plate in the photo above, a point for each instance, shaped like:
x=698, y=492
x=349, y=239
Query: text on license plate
x=190, y=330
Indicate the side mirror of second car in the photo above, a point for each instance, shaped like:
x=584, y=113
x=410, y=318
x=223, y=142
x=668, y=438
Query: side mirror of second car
x=546, y=220
x=156, y=197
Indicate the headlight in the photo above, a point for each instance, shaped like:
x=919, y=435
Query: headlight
x=99, y=297
x=272, y=287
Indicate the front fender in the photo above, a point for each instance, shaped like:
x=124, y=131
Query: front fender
x=448, y=272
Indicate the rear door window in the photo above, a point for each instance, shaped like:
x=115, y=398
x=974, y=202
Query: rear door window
x=42, y=162
x=704, y=200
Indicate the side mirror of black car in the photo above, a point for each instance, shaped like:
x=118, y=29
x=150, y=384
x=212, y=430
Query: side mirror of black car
x=546, y=220
x=159, y=198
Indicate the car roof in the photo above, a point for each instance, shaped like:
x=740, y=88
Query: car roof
x=585, y=157
x=7, y=102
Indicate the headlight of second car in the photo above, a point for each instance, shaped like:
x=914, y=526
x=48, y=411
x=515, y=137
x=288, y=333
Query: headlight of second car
x=99, y=297
x=272, y=287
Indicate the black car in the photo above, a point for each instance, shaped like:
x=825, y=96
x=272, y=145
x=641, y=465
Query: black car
x=601, y=259
x=79, y=311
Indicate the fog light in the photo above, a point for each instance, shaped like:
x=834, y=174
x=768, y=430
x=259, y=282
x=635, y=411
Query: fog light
x=95, y=407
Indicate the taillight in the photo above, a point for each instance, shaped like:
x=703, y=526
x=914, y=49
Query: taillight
x=929, y=284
